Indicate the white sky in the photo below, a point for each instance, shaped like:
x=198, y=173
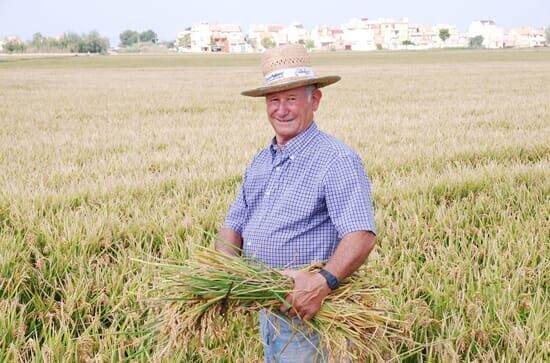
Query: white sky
x=167, y=18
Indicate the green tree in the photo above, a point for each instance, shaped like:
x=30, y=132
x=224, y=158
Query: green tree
x=268, y=43
x=444, y=34
x=52, y=43
x=310, y=44
x=407, y=42
x=93, y=42
x=476, y=42
x=148, y=36
x=71, y=41
x=547, y=35
x=128, y=37
x=15, y=46
x=37, y=40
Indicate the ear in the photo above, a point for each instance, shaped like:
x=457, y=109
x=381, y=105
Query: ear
x=316, y=99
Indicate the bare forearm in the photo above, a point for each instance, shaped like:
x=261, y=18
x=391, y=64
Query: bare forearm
x=229, y=242
x=351, y=253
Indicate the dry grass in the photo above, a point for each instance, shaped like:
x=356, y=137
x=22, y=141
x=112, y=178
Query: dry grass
x=104, y=159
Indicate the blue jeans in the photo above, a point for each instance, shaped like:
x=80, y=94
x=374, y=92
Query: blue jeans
x=285, y=344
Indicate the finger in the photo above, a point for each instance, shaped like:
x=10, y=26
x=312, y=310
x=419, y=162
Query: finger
x=287, y=305
x=291, y=312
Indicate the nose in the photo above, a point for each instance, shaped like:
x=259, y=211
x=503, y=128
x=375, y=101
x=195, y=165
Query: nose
x=282, y=109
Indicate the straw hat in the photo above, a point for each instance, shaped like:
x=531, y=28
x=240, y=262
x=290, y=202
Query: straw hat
x=287, y=67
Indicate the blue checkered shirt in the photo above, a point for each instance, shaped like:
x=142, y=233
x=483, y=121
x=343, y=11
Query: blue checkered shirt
x=296, y=204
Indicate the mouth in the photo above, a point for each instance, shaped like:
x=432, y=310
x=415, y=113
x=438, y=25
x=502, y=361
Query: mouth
x=285, y=121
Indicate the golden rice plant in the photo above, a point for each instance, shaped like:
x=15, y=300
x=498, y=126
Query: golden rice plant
x=210, y=285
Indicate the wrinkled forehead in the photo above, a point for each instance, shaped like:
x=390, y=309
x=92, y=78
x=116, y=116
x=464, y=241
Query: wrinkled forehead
x=293, y=91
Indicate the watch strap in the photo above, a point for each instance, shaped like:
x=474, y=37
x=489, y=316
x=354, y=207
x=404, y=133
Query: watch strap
x=332, y=281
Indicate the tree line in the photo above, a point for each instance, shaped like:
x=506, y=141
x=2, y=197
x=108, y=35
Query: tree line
x=70, y=42
x=130, y=37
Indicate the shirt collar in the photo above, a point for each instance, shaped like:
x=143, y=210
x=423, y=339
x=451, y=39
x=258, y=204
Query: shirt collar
x=297, y=143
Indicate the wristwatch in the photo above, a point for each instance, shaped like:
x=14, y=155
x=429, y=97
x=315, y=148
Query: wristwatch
x=332, y=280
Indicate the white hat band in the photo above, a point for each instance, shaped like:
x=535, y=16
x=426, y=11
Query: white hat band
x=288, y=73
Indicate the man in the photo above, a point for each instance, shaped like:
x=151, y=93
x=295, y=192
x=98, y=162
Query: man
x=305, y=198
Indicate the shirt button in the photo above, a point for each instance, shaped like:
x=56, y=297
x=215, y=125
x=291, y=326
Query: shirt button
x=267, y=193
x=278, y=168
x=249, y=244
x=291, y=157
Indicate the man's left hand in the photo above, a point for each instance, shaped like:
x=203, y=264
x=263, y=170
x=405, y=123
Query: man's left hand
x=310, y=290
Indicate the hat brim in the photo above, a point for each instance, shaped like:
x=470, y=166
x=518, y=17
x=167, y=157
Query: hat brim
x=290, y=84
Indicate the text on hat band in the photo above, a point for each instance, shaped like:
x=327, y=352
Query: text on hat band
x=288, y=73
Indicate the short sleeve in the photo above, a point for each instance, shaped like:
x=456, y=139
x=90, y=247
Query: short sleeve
x=238, y=212
x=348, y=196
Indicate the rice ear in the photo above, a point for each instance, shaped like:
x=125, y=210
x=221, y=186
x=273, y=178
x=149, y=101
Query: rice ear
x=210, y=286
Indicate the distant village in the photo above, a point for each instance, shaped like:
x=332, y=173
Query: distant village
x=360, y=34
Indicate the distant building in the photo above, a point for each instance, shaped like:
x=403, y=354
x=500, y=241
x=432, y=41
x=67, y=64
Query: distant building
x=229, y=38
x=325, y=38
x=390, y=33
x=525, y=37
x=357, y=35
x=493, y=37
x=417, y=36
x=255, y=33
x=360, y=34
x=205, y=37
x=454, y=39
x=183, y=41
x=201, y=36
x=296, y=33
x=276, y=34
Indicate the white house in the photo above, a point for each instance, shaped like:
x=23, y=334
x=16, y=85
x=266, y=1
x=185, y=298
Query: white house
x=454, y=39
x=229, y=38
x=201, y=37
x=205, y=37
x=237, y=42
x=255, y=32
x=274, y=32
x=357, y=35
x=493, y=37
x=390, y=33
x=326, y=38
x=296, y=33
x=183, y=41
x=278, y=33
x=525, y=37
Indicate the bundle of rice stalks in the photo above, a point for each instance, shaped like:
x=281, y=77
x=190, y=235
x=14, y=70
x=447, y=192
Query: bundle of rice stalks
x=210, y=285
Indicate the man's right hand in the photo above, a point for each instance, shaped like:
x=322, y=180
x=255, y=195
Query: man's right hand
x=310, y=291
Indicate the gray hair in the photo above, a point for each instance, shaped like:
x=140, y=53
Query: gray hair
x=309, y=91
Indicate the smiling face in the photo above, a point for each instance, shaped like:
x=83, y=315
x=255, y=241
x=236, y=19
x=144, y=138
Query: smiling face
x=290, y=112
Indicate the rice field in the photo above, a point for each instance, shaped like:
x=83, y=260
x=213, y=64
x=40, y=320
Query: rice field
x=104, y=160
